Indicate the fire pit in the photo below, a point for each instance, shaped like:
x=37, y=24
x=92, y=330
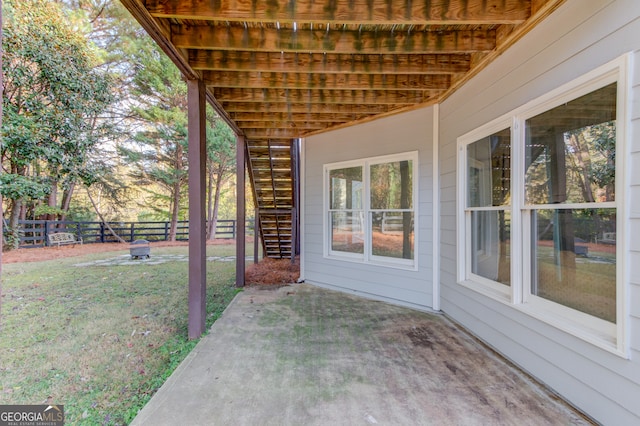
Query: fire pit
x=140, y=249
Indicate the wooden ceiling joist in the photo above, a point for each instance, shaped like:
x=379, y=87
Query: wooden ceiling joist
x=280, y=107
x=434, y=12
x=246, y=117
x=259, y=80
x=287, y=124
x=217, y=37
x=329, y=63
x=340, y=97
x=274, y=133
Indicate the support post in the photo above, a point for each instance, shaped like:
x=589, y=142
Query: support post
x=240, y=211
x=197, y=219
x=1, y=210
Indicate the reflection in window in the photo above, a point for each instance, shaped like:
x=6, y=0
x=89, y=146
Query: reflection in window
x=372, y=209
x=346, y=188
x=570, y=161
x=391, y=198
x=488, y=205
x=571, y=151
x=346, y=214
x=347, y=232
x=489, y=170
x=391, y=185
x=392, y=234
x=571, y=263
x=490, y=245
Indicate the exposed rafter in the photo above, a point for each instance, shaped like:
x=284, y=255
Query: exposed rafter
x=218, y=37
x=266, y=80
x=434, y=12
x=328, y=63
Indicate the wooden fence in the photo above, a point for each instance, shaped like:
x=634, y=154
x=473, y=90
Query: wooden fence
x=33, y=233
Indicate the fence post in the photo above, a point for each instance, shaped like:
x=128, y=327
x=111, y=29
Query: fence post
x=78, y=230
x=102, y=232
x=233, y=229
x=133, y=225
x=46, y=232
x=166, y=231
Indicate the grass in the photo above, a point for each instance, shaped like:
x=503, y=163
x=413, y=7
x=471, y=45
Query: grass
x=99, y=339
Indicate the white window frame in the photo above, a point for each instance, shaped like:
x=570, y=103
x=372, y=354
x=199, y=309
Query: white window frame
x=465, y=274
x=606, y=335
x=368, y=257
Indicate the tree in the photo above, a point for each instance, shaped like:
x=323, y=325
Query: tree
x=221, y=160
x=157, y=151
x=52, y=97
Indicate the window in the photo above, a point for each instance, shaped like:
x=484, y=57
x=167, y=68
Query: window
x=554, y=209
x=488, y=207
x=570, y=174
x=371, y=210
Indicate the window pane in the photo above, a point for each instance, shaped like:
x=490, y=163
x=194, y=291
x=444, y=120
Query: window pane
x=347, y=232
x=571, y=151
x=574, y=259
x=345, y=188
x=392, y=185
x=392, y=234
x=489, y=170
x=491, y=245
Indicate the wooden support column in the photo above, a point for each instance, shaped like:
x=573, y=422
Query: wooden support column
x=197, y=217
x=240, y=211
x=1, y=211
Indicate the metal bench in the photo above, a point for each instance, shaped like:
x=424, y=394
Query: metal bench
x=63, y=238
x=607, y=238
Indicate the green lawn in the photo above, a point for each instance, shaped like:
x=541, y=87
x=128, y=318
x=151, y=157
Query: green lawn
x=99, y=339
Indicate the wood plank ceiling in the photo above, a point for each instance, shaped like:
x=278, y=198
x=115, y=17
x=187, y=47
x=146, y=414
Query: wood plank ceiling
x=283, y=69
x=277, y=70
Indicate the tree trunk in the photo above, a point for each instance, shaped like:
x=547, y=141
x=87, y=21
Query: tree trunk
x=211, y=235
x=177, y=185
x=216, y=206
x=66, y=200
x=14, y=214
x=52, y=200
x=95, y=207
x=175, y=208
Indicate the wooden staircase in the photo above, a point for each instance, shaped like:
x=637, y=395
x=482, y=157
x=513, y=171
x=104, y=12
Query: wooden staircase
x=272, y=166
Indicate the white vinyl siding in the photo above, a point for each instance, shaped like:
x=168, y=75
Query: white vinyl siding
x=579, y=37
x=403, y=133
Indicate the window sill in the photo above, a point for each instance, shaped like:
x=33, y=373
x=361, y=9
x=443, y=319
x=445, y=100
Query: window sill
x=592, y=330
x=378, y=263
x=595, y=331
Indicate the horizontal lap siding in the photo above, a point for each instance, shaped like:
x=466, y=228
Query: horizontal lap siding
x=406, y=132
x=576, y=39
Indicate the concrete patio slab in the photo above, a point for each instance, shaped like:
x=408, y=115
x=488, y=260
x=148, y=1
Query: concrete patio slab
x=302, y=355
